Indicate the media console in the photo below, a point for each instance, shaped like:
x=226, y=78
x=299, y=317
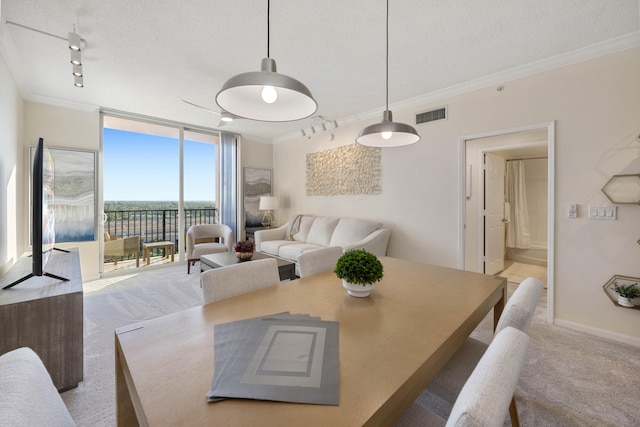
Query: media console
x=46, y=314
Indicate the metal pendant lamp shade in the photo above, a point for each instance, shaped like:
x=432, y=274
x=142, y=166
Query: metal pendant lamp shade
x=242, y=95
x=266, y=95
x=387, y=133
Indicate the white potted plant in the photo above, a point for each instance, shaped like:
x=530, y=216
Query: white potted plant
x=359, y=270
x=626, y=293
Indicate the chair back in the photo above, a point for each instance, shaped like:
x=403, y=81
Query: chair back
x=29, y=397
x=237, y=279
x=201, y=231
x=520, y=308
x=319, y=260
x=484, y=400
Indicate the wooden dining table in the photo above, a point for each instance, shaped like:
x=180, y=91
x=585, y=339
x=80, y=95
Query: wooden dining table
x=391, y=344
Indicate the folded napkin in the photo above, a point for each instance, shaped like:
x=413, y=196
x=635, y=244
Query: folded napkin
x=281, y=357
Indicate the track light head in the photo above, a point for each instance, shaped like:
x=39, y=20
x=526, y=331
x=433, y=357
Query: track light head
x=75, y=42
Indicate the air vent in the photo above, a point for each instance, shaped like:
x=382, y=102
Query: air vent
x=430, y=116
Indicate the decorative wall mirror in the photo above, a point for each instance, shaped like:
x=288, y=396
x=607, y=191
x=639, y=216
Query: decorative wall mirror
x=623, y=189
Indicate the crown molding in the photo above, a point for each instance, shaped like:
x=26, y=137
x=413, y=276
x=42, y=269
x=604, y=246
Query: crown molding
x=608, y=47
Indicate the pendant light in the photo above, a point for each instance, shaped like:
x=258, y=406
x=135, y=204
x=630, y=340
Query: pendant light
x=266, y=95
x=388, y=133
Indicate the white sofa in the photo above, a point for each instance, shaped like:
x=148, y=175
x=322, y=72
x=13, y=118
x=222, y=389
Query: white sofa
x=305, y=233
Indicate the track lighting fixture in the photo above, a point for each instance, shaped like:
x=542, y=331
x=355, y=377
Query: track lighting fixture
x=266, y=95
x=75, y=47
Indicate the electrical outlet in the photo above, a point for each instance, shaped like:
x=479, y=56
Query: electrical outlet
x=573, y=211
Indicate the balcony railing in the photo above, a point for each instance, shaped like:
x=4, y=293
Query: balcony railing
x=155, y=225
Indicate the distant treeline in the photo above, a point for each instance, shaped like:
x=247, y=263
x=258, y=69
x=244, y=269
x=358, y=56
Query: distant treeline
x=127, y=205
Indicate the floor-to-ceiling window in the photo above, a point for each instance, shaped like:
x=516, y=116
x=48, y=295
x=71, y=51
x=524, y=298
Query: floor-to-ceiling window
x=158, y=179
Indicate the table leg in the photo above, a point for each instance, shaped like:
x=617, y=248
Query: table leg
x=497, y=309
x=171, y=251
x=125, y=412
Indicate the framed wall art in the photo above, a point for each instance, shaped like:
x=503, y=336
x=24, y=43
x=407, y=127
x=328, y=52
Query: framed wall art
x=257, y=182
x=75, y=191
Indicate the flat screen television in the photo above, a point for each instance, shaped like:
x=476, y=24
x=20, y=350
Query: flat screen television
x=43, y=235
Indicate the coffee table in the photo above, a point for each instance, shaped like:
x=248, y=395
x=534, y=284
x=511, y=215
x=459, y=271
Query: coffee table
x=287, y=269
x=167, y=247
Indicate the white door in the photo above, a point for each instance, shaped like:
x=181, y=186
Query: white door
x=494, y=169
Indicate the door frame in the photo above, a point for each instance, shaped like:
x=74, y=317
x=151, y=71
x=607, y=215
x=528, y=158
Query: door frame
x=550, y=128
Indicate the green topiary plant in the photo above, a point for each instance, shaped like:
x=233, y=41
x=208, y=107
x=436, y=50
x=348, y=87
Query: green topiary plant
x=627, y=291
x=359, y=267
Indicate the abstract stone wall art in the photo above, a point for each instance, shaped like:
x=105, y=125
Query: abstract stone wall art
x=347, y=170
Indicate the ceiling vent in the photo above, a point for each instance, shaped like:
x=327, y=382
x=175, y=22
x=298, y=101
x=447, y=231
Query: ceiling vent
x=433, y=115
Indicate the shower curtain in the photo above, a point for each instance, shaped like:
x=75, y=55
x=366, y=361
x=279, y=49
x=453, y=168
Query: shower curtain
x=518, y=234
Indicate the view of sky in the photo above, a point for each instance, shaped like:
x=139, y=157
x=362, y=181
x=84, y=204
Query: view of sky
x=143, y=167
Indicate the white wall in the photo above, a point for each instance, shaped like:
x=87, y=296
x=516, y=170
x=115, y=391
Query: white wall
x=596, y=107
x=62, y=128
x=12, y=186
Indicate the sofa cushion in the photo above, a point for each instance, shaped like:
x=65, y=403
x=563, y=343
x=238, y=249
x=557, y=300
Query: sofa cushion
x=349, y=230
x=292, y=252
x=321, y=230
x=272, y=247
x=303, y=229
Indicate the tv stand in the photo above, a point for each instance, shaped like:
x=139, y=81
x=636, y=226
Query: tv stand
x=46, y=314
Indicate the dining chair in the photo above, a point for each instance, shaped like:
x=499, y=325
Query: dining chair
x=485, y=396
x=226, y=282
x=28, y=396
x=318, y=260
x=201, y=241
x=518, y=313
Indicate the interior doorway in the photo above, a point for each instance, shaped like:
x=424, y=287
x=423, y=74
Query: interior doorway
x=489, y=222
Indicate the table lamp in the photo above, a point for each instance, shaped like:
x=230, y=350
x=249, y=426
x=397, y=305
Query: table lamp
x=268, y=204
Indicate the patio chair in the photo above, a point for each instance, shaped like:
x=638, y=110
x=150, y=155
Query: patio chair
x=201, y=240
x=115, y=247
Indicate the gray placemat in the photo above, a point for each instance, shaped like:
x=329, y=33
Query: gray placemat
x=282, y=357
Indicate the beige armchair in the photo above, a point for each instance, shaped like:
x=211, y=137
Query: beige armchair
x=201, y=240
x=115, y=247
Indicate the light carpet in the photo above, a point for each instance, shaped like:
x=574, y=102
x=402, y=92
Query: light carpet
x=570, y=378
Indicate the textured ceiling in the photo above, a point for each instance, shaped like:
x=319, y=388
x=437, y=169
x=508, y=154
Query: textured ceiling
x=143, y=56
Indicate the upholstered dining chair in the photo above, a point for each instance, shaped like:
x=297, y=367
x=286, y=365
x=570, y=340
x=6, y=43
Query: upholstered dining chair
x=518, y=313
x=318, y=260
x=201, y=241
x=237, y=279
x=28, y=396
x=485, y=396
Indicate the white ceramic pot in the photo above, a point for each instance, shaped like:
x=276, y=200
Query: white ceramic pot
x=625, y=302
x=359, y=291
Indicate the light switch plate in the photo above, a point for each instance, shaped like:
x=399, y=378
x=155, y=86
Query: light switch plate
x=603, y=212
x=573, y=211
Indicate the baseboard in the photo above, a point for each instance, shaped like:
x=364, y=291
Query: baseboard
x=90, y=278
x=602, y=333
